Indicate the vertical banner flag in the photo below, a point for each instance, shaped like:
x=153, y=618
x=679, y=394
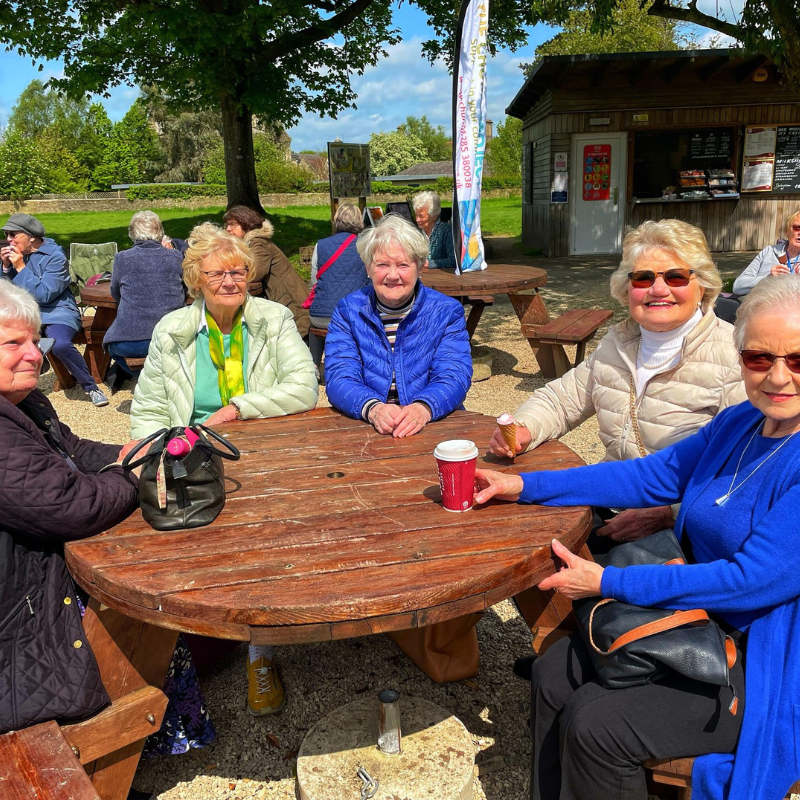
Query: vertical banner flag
x=469, y=133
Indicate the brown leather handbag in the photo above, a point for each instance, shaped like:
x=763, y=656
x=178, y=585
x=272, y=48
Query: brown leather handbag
x=630, y=645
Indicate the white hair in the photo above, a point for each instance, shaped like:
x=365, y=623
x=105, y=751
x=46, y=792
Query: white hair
x=393, y=229
x=18, y=305
x=429, y=201
x=773, y=294
x=145, y=225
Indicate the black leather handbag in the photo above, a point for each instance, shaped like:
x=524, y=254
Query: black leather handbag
x=181, y=491
x=630, y=645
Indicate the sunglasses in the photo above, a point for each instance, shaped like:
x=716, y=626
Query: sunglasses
x=644, y=279
x=796, y=228
x=761, y=361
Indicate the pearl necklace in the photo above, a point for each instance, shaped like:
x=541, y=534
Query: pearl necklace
x=641, y=362
x=720, y=501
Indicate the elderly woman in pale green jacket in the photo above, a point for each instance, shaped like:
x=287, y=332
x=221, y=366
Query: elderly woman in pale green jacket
x=227, y=356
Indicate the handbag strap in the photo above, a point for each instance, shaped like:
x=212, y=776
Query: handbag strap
x=231, y=453
x=677, y=620
x=634, y=421
x=342, y=247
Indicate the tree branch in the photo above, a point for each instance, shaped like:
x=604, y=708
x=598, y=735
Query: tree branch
x=661, y=8
x=292, y=42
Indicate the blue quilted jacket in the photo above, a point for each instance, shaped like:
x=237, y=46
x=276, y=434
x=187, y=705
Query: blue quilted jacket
x=431, y=358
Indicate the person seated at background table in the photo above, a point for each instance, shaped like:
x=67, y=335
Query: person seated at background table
x=781, y=258
x=738, y=480
x=342, y=272
x=227, y=356
x=52, y=493
x=281, y=283
x=427, y=209
x=147, y=283
x=655, y=378
x=397, y=354
x=36, y=263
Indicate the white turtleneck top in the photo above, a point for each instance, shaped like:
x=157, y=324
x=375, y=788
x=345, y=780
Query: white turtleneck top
x=661, y=350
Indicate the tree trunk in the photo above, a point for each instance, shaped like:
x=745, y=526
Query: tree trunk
x=240, y=165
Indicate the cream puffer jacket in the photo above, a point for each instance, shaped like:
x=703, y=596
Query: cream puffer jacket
x=675, y=403
x=280, y=372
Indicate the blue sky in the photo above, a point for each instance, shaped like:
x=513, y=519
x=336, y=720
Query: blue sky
x=402, y=84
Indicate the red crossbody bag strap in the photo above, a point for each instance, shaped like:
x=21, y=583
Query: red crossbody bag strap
x=342, y=247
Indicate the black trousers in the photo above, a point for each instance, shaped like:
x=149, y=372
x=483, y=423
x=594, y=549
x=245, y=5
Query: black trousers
x=589, y=742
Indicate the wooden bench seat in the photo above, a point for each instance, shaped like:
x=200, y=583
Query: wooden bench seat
x=576, y=326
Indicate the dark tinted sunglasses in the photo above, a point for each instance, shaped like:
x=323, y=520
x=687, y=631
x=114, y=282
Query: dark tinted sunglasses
x=761, y=361
x=644, y=279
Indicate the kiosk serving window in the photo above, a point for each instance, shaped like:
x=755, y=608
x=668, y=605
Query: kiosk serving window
x=685, y=164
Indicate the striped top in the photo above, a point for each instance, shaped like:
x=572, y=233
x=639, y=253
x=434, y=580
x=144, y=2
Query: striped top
x=391, y=319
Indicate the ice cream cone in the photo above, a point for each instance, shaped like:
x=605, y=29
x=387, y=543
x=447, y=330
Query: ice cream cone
x=508, y=427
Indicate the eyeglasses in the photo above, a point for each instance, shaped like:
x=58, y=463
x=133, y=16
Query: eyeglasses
x=217, y=276
x=12, y=234
x=796, y=228
x=761, y=361
x=644, y=279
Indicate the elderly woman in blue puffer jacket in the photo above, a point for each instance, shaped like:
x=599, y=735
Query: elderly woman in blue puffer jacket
x=397, y=354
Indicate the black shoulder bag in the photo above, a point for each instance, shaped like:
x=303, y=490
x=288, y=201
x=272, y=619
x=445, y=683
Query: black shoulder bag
x=177, y=492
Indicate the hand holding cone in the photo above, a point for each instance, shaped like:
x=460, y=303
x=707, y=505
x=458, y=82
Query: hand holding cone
x=508, y=427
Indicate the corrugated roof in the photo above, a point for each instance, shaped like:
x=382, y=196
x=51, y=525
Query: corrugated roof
x=429, y=168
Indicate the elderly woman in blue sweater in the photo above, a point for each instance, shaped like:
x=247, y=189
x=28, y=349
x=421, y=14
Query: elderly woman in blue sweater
x=397, y=354
x=739, y=482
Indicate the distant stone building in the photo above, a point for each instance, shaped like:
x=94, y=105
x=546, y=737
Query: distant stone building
x=420, y=174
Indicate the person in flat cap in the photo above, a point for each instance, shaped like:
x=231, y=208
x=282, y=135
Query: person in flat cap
x=36, y=263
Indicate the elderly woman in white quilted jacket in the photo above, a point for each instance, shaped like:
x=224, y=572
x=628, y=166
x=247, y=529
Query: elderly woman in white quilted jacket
x=227, y=356
x=656, y=377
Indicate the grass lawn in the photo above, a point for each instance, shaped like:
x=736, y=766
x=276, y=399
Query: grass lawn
x=295, y=226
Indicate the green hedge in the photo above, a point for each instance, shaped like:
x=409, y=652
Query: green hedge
x=164, y=191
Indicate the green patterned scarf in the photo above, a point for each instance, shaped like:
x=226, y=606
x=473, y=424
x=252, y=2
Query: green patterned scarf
x=230, y=375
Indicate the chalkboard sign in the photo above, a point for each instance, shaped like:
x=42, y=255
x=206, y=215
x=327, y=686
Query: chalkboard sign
x=714, y=145
x=787, y=160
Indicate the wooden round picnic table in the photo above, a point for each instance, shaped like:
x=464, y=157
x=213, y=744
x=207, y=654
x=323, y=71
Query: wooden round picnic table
x=331, y=531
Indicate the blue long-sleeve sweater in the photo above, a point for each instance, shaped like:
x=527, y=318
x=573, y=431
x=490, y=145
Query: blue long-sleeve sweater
x=761, y=582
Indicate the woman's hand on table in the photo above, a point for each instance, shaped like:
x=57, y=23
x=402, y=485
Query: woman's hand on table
x=636, y=523
x=577, y=578
x=411, y=419
x=498, y=446
x=490, y=484
x=383, y=417
x=227, y=413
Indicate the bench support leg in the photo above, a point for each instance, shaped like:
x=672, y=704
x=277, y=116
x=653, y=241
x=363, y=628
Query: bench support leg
x=131, y=655
x=531, y=311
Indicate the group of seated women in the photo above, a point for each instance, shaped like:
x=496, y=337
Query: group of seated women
x=698, y=437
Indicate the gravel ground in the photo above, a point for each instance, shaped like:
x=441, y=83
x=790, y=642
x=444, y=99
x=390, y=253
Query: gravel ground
x=255, y=758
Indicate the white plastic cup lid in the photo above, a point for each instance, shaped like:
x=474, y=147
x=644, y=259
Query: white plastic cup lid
x=456, y=450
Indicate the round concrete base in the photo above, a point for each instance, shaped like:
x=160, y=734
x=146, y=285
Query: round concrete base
x=436, y=762
x=481, y=363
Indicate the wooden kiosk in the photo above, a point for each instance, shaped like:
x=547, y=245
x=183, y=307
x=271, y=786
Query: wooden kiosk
x=708, y=136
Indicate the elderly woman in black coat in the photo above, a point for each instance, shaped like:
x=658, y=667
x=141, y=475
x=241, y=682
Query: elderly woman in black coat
x=147, y=283
x=51, y=492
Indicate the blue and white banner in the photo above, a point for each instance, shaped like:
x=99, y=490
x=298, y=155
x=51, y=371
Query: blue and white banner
x=469, y=133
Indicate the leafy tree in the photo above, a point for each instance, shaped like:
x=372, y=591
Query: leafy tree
x=94, y=138
x=505, y=150
x=23, y=171
x=132, y=152
x=769, y=27
x=436, y=142
x=275, y=60
x=633, y=30
x=392, y=152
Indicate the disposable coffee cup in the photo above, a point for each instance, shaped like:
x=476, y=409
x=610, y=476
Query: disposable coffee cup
x=456, y=460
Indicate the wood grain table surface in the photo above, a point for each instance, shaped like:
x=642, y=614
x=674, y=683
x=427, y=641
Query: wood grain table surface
x=330, y=531
x=495, y=279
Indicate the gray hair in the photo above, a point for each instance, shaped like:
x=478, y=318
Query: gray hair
x=429, y=201
x=145, y=225
x=18, y=305
x=393, y=229
x=685, y=242
x=778, y=293
x=348, y=219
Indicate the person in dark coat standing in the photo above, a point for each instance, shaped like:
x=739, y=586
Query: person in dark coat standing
x=39, y=265
x=51, y=492
x=336, y=271
x=147, y=283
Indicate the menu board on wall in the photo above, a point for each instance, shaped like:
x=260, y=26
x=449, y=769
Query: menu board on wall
x=787, y=160
x=596, y=171
x=759, y=142
x=757, y=175
x=711, y=145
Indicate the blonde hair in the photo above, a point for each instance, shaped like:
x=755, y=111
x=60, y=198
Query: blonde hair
x=209, y=244
x=393, y=229
x=775, y=293
x=790, y=222
x=685, y=242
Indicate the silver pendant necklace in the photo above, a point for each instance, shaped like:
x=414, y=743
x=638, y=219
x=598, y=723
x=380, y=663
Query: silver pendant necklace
x=720, y=501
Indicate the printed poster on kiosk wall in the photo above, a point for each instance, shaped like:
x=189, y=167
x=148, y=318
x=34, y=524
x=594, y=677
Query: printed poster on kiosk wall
x=596, y=172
